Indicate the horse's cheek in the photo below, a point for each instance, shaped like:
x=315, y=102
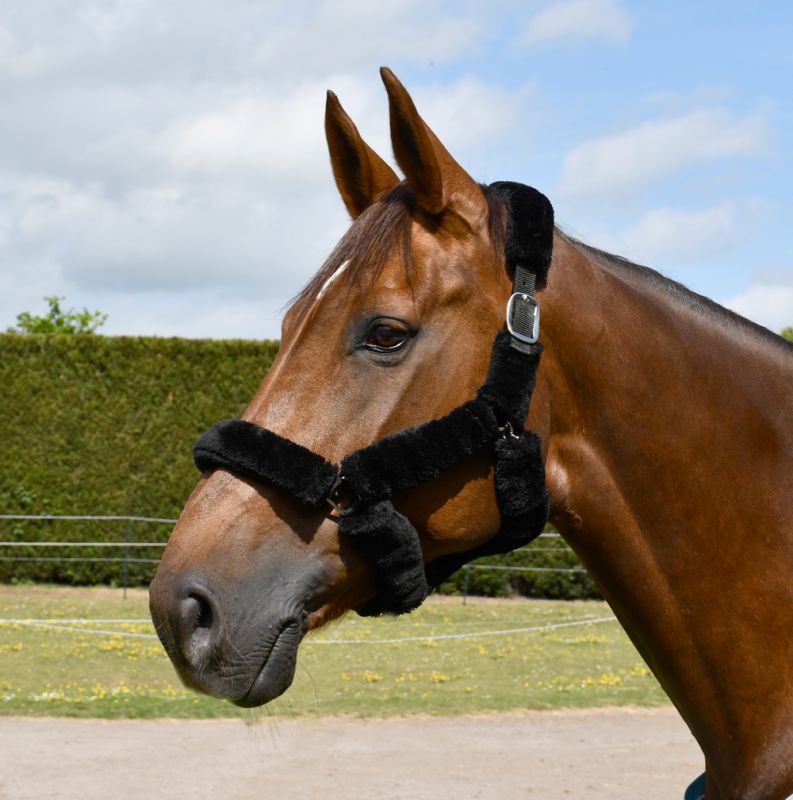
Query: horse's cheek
x=463, y=522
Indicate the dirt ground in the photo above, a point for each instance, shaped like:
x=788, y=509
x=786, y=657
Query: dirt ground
x=594, y=755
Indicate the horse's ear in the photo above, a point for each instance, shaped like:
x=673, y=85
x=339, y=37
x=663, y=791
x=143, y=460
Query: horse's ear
x=438, y=181
x=361, y=175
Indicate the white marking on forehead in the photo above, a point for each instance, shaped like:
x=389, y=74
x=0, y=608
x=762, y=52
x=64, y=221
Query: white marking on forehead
x=331, y=279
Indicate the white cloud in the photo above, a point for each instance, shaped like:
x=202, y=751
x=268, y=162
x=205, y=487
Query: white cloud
x=152, y=152
x=676, y=235
x=603, y=20
x=256, y=136
x=672, y=103
x=251, y=136
x=360, y=32
x=167, y=236
x=222, y=316
x=471, y=113
x=767, y=303
x=145, y=41
x=775, y=276
x=619, y=166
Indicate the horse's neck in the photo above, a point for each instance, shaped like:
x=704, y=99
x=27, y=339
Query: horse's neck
x=670, y=450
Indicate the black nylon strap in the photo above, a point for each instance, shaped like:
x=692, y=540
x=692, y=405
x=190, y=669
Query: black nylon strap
x=528, y=249
x=525, y=281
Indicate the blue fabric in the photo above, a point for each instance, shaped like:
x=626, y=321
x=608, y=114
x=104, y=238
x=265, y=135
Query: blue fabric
x=697, y=789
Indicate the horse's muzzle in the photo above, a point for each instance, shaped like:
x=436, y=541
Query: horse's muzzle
x=225, y=644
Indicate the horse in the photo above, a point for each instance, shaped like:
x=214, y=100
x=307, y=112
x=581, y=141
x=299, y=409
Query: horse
x=666, y=424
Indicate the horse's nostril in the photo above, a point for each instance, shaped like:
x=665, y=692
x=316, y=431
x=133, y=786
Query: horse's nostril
x=203, y=615
x=197, y=619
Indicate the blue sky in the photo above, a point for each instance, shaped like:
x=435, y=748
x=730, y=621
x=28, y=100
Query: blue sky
x=165, y=162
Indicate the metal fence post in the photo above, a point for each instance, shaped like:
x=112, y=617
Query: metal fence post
x=126, y=555
x=466, y=577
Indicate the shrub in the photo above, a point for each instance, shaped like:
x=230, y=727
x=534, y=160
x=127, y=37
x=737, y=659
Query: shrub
x=542, y=554
x=105, y=425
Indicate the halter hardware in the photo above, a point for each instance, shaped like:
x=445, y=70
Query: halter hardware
x=339, y=499
x=523, y=309
x=507, y=432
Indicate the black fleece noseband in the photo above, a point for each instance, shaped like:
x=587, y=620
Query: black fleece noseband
x=361, y=487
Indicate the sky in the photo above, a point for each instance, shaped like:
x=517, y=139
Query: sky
x=165, y=163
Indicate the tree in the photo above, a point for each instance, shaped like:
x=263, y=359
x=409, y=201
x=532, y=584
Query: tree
x=787, y=333
x=59, y=320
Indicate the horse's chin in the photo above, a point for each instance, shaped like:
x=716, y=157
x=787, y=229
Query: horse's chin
x=277, y=671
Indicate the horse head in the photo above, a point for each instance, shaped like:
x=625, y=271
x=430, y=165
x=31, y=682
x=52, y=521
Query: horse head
x=394, y=330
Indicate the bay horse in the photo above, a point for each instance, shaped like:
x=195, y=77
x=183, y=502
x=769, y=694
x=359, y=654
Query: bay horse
x=667, y=431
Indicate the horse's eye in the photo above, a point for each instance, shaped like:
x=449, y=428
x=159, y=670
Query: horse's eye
x=384, y=338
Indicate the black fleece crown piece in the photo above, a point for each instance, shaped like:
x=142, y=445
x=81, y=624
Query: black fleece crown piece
x=529, y=227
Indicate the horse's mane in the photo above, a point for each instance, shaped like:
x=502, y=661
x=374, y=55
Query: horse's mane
x=637, y=273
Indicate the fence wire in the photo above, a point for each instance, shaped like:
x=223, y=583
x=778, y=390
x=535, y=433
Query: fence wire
x=55, y=624
x=126, y=559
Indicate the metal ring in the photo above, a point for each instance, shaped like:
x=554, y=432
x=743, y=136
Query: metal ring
x=335, y=500
x=507, y=432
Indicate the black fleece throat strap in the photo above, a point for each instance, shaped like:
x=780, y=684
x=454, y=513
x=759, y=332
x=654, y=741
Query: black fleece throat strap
x=361, y=487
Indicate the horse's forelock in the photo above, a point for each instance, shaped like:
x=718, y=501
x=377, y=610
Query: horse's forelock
x=374, y=236
x=380, y=231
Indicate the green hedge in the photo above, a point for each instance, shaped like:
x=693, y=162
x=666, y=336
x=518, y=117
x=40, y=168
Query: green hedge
x=105, y=425
x=550, y=560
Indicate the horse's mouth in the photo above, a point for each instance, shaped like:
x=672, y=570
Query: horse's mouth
x=277, y=670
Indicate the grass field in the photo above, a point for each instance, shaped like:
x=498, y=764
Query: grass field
x=45, y=671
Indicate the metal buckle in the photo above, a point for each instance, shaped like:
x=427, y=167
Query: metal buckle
x=507, y=432
x=533, y=314
x=337, y=496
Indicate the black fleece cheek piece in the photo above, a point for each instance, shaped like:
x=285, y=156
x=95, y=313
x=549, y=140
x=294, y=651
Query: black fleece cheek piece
x=511, y=379
x=520, y=476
